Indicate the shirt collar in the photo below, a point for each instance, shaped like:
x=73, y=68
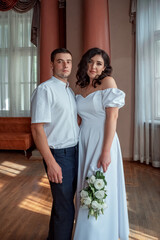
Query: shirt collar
x=60, y=82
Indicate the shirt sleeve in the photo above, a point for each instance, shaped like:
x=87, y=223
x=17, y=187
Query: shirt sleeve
x=113, y=97
x=41, y=105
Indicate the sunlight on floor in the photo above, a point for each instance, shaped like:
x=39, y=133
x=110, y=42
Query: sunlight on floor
x=136, y=235
x=1, y=185
x=36, y=204
x=11, y=169
x=44, y=182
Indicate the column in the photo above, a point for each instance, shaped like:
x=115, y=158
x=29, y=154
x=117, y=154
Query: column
x=96, y=25
x=49, y=36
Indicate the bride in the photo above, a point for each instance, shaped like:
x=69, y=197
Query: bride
x=98, y=102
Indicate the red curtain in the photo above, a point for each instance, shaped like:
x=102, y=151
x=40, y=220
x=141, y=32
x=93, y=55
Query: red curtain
x=6, y=5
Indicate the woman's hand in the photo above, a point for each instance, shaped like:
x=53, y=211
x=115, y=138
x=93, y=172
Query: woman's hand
x=104, y=161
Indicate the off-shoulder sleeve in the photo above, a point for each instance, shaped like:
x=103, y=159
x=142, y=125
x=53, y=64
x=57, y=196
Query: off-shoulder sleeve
x=113, y=97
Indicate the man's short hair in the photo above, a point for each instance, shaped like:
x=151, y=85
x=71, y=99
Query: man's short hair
x=59, y=50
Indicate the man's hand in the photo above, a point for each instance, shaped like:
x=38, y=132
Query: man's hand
x=40, y=139
x=54, y=172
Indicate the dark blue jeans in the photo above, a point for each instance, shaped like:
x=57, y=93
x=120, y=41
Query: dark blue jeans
x=62, y=214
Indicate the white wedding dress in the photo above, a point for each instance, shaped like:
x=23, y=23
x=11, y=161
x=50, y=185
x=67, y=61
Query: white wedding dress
x=114, y=223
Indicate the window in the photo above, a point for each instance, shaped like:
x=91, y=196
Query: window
x=18, y=63
x=147, y=83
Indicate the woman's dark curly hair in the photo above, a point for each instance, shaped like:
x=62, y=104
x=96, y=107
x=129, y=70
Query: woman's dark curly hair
x=82, y=76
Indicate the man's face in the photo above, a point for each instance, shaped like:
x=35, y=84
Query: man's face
x=62, y=66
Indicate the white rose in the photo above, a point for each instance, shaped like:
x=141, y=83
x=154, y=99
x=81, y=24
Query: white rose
x=99, y=184
x=84, y=207
x=99, y=194
x=88, y=181
x=84, y=194
x=87, y=201
x=96, y=205
x=92, y=179
x=104, y=205
x=82, y=201
x=99, y=206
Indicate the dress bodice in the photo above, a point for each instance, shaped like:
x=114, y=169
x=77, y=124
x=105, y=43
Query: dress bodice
x=92, y=107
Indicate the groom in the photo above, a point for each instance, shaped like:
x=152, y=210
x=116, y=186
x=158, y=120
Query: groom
x=55, y=132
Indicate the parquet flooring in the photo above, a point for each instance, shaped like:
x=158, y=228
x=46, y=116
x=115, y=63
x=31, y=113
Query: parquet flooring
x=143, y=198
x=25, y=199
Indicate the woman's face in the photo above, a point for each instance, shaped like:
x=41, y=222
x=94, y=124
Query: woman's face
x=95, y=66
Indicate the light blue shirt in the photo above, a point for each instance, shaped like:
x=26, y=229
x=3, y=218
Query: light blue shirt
x=53, y=103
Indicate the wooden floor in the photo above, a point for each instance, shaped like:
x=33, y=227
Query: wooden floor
x=25, y=199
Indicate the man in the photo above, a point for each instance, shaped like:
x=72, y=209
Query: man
x=55, y=132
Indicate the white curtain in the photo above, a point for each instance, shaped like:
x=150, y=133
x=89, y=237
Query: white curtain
x=18, y=64
x=147, y=84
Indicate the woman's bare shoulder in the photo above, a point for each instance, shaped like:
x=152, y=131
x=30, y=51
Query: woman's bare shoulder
x=108, y=82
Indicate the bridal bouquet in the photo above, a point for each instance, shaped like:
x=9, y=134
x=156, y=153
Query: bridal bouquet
x=92, y=197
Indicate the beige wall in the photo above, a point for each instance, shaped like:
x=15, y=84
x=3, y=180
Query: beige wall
x=121, y=58
x=74, y=34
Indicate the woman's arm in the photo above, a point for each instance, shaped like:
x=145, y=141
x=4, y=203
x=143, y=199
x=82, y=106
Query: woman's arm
x=109, y=132
x=53, y=169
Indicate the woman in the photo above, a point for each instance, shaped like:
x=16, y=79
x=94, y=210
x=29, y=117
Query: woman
x=98, y=101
